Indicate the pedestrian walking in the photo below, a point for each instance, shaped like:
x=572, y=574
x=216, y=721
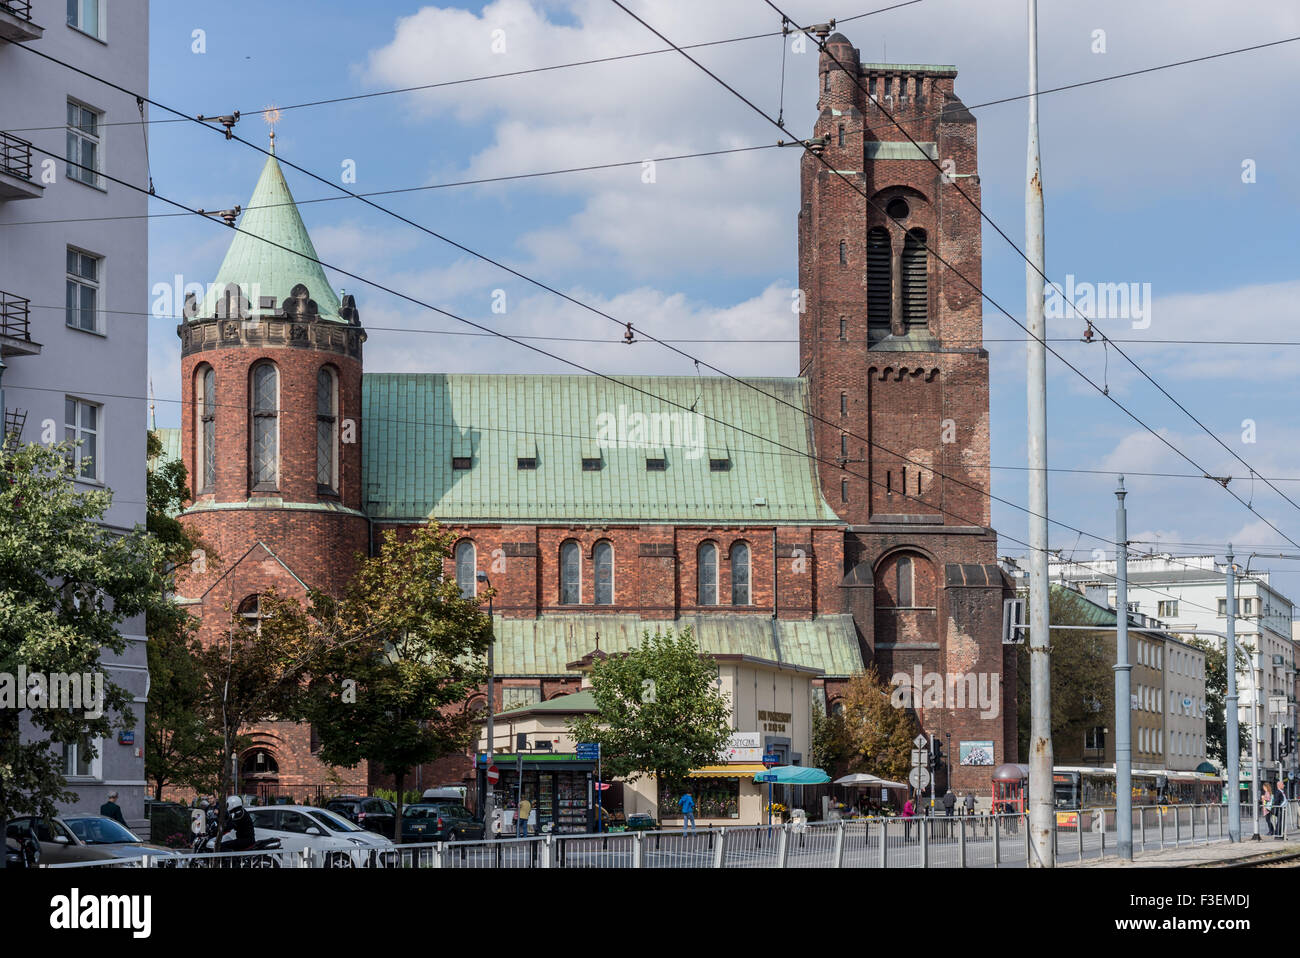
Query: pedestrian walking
x=968, y=803
x=521, y=822
x=1279, y=811
x=909, y=809
x=1266, y=806
x=949, y=802
x=110, y=809
x=687, y=804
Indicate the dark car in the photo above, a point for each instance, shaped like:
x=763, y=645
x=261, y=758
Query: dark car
x=641, y=822
x=373, y=814
x=440, y=822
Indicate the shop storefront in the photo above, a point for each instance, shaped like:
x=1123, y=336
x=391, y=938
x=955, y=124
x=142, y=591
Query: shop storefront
x=560, y=791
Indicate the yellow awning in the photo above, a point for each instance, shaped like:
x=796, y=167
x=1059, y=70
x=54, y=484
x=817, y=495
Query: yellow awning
x=734, y=770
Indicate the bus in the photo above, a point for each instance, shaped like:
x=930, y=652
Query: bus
x=1077, y=789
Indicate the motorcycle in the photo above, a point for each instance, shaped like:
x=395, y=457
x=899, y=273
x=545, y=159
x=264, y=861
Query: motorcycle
x=22, y=852
x=205, y=843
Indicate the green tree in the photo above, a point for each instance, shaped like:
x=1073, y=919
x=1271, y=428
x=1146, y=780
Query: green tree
x=1216, y=696
x=829, y=748
x=67, y=585
x=1083, y=680
x=181, y=745
x=877, y=730
x=661, y=711
x=402, y=650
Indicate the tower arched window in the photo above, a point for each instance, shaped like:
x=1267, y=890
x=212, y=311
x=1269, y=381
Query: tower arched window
x=740, y=573
x=205, y=429
x=259, y=763
x=905, y=593
x=570, y=573
x=467, y=568
x=327, y=417
x=844, y=253
x=250, y=613
x=707, y=574
x=879, y=281
x=602, y=559
x=914, y=275
x=264, y=458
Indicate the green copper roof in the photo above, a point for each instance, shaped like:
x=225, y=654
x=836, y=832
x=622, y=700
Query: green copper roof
x=171, y=446
x=546, y=646
x=262, y=269
x=415, y=425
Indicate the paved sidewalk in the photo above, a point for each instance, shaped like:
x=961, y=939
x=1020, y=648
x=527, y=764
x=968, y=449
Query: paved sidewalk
x=1216, y=854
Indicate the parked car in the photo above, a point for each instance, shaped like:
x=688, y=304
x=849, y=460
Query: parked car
x=329, y=836
x=440, y=822
x=373, y=814
x=82, y=838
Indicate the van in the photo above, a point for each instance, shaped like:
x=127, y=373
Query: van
x=447, y=793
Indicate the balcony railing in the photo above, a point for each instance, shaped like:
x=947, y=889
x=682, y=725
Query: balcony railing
x=15, y=317
x=19, y=8
x=15, y=156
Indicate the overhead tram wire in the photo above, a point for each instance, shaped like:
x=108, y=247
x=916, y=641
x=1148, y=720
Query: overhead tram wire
x=488, y=76
x=596, y=373
x=852, y=75
x=930, y=249
x=229, y=134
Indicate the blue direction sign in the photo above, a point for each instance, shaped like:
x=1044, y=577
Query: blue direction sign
x=771, y=758
x=588, y=751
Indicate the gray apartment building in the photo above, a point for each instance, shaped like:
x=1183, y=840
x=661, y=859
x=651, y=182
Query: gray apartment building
x=74, y=292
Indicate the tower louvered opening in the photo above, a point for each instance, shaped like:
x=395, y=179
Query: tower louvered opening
x=879, y=292
x=914, y=273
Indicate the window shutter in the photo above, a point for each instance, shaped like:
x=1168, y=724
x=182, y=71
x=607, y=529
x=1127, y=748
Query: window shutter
x=916, y=294
x=879, y=294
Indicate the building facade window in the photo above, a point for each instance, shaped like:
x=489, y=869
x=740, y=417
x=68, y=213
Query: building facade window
x=707, y=574
x=570, y=573
x=205, y=430
x=82, y=288
x=603, y=563
x=83, y=153
x=84, y=15
x=914, y=276
x=265, y=453
x=82, y=423
x=880, y=292
x=467, y=568
x=844, y=253
x=1168, y=609
x=250, y=613
x=906, y=592
x=81, y=758
x=327, y=453
x=740, y=574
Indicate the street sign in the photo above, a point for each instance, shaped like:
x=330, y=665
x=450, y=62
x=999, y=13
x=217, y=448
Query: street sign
x=588, y=751
x=920, y=758
x=921, y=742
x=493, y=775
x=919, y=778
x=771, y=759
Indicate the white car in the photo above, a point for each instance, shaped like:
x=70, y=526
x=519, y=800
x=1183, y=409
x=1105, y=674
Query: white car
x=332, y=839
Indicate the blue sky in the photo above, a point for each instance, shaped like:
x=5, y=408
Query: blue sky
x=1143, y=182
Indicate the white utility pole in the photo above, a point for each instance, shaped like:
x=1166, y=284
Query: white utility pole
x=1123, y=685
x=1041, y=816
x=1231, y=715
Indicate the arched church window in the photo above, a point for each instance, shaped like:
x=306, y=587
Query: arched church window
x=327, y=406
x=205, y=431
x=603, y=561
x=467, y=568
x=707, y=574
x=740, y=573
x=570, y=573
x=265, y=453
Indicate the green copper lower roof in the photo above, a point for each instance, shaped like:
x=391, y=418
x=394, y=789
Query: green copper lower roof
x=546, y=646
x=448, y=446
x=171, y=446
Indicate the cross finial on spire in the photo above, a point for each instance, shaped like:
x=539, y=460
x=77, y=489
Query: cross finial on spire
x=272, y=116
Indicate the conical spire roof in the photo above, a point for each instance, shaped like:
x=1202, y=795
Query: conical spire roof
x=260, y=268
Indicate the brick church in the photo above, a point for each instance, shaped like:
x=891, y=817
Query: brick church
x=597, y=511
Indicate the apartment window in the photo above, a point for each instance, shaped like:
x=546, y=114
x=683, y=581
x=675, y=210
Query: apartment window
x=1168, y=609
x=657, y=464
x=570, y=573
x=740, y=573
x=1246, y=606
x=603, y=560
x=82, y=286
x=466, y=559
x=327, y=406
x=79, y=758
x=526, y=462
x=83, y=15
x=461, y=463
x=83, y=144
x=707, y=574
x=591, y=464
x=81, y=423
x=265, y=458
x=720, y=465
x=205, y=455
x=1094, y=739
x=1134, y=606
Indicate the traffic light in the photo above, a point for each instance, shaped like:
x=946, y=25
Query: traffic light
x=936, y=752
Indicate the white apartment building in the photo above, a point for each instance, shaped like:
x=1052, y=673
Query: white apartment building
x=1190, y=592
x=74, y=290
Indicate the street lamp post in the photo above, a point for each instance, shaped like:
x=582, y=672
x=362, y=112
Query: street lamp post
x=490, y=798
